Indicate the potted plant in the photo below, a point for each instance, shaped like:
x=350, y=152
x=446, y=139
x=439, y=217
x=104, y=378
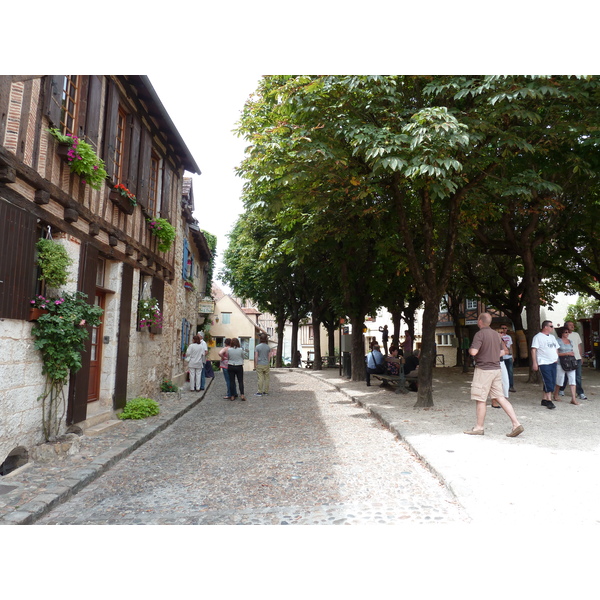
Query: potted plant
x=121, y=197
x=81, y=157
x=188, y=284
x=164, y=231
x=149, y=314
x=53, y=261
x=169, y=391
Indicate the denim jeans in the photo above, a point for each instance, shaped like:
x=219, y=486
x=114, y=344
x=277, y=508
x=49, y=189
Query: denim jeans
x=228, y=383
x=548, y=373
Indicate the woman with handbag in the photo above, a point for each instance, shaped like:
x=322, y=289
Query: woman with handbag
x=567, y=363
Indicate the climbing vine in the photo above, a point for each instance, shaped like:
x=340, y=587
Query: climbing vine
x=60, y=335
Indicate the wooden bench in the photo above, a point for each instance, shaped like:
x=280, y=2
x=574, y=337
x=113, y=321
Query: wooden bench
x=410, y=382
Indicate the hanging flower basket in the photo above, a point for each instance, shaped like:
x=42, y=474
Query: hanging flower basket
x=188, y=285
x=81, y=158
x=149, y=314
x=164, y=231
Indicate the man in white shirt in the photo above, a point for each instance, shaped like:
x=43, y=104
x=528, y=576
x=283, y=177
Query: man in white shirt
x=544, y=356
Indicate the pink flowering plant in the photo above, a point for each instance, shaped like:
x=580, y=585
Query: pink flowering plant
x=164, y=231
x=149, y=314
x=82, y=159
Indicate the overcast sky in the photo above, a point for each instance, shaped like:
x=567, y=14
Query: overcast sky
x=205, y=115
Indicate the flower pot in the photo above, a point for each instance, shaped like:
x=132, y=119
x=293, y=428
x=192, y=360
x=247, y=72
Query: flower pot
x=121, y=203
x=36, y=313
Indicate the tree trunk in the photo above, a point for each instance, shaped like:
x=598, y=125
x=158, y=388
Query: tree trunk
x=427, y=358
x=531, y=292
x=396, y=315
x=317, y=364
x=280, y=332
x=358, y=348
x=295, y=327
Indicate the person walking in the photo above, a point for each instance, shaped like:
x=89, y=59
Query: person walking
x=194, y=356
x=544, y=357
x=235, y=367
x=565, y=348
x=224, y=355
x=262, y=354
x=486, y=349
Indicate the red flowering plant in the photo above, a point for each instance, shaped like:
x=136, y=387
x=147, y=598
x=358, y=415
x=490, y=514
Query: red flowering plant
x=82, y=159
x=125, y=193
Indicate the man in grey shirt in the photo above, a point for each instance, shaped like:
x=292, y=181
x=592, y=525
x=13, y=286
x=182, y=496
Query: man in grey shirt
x=262, y=354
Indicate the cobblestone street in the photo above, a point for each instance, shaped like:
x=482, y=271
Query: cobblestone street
x=304, y=454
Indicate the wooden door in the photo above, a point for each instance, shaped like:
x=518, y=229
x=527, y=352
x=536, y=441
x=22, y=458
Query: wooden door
x=96, y=354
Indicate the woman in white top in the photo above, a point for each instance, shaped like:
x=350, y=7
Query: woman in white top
x=565, y=348
x=235, y=367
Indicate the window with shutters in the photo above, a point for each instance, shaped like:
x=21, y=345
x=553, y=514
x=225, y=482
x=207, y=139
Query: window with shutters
x=70, y=100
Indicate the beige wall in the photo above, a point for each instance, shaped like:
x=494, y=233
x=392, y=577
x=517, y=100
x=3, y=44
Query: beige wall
x=240, y=326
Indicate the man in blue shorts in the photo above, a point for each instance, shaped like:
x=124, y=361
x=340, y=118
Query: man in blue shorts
x=544, y=356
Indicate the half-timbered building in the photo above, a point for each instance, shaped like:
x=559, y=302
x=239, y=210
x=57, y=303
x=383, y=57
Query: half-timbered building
x=116, y=256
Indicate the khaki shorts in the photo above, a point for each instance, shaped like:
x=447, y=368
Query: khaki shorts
x=486, y=383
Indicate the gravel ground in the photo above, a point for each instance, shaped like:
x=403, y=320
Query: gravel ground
x=304, y=454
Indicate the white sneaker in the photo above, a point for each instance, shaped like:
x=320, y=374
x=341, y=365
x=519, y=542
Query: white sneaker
x=583, y=397
x=561, y=393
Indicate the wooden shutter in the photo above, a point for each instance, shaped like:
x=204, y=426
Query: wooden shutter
x=120, y=397
x=135, y=128
x=94, y=101
x=18, y=236
x=165, y=209
x=144, y=167
x=110, y=128
x=5, y=86
x=185, y=258
x=53, y=100
x=82, y=104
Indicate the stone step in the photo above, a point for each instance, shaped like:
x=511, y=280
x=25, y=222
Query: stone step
x=96, y=419
x=101, y=427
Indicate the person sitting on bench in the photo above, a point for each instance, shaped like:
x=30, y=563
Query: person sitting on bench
x=375, y=363
x=412, y=363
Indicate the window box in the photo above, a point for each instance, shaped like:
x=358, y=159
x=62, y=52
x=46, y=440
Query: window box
x=36, y=313
x=121, y=203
